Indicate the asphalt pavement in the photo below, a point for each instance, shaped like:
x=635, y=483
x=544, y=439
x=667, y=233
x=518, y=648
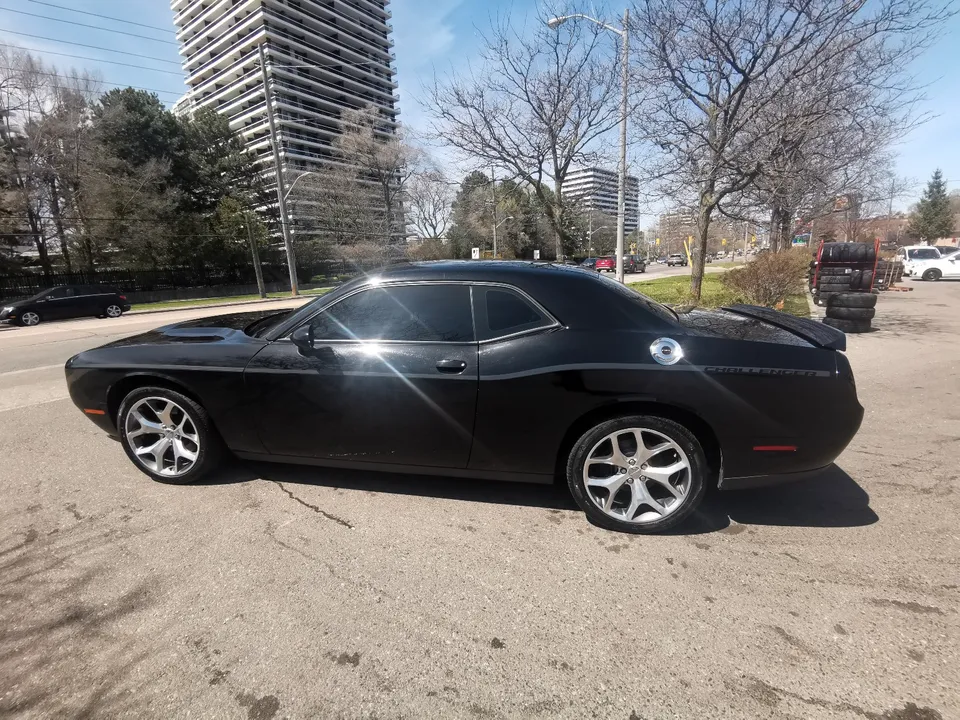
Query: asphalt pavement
x=274, y=591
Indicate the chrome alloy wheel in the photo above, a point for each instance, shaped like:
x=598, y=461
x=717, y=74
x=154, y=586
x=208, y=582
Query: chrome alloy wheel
x=114, y=311
x=637, y=475
x=162, y=436
x=30, y=318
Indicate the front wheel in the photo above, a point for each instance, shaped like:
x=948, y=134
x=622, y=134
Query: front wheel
x=931, y=274
x=30, y=318
x=168, y=436
x=637, y=474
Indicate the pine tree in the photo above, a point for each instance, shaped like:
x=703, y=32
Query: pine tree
x=931, y=218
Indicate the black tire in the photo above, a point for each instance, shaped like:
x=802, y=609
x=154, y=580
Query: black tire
x=848, y=326
x=854, y=300
x=698, y=472
x=112, y=311
x=849, y=313
x=833, y=287
x=834, y=270
x=866, y=280
x=931, y=274
x=33, y=318
x=858, y=252
x=824, y=298
x=211, y=447
x=830, y=253
x=855, y=278
x=871, y=254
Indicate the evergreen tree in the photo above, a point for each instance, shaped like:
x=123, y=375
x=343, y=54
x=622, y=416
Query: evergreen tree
x=931, y=218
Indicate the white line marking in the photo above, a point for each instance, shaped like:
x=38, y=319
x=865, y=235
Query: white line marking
x=31, y=404
x=30, y=370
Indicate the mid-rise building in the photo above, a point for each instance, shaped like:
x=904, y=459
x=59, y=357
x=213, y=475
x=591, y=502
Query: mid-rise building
x=323, y=57
x=598, y=189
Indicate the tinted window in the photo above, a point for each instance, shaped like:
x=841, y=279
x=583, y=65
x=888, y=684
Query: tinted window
x=437, y=313
x=925, y=254
x=504, y=312
x=61, y=292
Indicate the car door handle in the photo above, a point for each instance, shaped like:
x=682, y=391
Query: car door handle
x=452, y=367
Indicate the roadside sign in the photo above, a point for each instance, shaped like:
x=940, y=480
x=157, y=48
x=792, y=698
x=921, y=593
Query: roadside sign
x=536, y=254
x=475, y=254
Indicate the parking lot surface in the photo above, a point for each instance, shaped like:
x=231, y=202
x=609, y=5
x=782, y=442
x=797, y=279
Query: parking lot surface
x=276, y=591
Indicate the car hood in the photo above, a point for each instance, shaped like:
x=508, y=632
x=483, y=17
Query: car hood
x=15, y=303
x=219, y=328
x=759, y=324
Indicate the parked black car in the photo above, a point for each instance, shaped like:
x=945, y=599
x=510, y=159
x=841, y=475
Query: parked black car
x=501, y=370
x=66, y=301
x=634, y=264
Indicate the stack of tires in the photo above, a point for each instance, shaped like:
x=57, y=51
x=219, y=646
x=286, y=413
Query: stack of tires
x=851, y=312
x=834, y=279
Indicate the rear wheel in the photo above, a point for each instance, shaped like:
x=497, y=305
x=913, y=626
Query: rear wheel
x=30, y=318
x=637, y=474
x=167, y=435
x=113, y=311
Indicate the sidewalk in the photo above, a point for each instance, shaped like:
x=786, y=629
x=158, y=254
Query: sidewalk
x=200, y=304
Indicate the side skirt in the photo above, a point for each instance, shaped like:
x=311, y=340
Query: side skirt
x=404, y=469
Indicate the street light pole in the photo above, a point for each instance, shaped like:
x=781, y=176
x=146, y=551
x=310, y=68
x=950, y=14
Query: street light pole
x=622, y=190
x=624, y=34
x=281, y=194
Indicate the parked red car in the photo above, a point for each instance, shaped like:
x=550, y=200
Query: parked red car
x=607, y=264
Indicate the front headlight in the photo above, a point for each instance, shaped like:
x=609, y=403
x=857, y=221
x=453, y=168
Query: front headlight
x=7, y=309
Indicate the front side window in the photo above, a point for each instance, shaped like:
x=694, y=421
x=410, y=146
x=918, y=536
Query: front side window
x=408, y=313
x=61, y=292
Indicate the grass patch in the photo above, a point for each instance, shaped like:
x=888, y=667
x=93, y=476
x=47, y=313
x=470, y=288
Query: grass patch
x=676, y=291
x=174, y=304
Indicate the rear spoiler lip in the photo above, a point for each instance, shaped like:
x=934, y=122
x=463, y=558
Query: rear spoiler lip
x=816, y=333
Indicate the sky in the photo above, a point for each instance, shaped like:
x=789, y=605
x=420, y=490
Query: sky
x=431, y=36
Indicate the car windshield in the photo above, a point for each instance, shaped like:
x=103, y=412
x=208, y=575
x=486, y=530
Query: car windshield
x=924, y=254
x=646, y=303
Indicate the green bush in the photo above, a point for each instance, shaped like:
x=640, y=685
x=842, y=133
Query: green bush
x=770, y=278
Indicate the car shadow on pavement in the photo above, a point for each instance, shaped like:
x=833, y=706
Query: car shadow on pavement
x=832, y=499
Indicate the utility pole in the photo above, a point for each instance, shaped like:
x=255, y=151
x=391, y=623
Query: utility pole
x=281, y=193
x=255, y=254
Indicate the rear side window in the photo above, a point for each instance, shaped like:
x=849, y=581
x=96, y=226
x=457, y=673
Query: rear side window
x=406, y=313
x=502, y=312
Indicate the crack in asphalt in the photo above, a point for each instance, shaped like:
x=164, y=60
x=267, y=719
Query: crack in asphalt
x=316, y=509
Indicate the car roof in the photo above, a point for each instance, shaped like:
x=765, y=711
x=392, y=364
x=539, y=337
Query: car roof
x=577, y=297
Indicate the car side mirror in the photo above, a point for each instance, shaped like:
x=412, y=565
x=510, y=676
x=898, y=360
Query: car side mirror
x=302, y=337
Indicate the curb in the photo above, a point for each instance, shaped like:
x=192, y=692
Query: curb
x=220, y=305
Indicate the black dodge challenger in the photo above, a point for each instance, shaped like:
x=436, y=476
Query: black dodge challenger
x=505, y=370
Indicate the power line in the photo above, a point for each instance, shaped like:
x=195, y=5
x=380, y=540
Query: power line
x=83, y=57
x=105, y=82
x=95, y=27
x=93, y=47
x=105, y=17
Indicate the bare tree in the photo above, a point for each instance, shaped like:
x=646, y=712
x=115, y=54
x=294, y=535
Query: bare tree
x=540, y=103
x=719, y=70
x=430, y=198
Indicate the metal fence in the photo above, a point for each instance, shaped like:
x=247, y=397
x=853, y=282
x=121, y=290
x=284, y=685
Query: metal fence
x=21, y=285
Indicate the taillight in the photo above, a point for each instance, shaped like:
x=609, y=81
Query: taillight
x=123, y=297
